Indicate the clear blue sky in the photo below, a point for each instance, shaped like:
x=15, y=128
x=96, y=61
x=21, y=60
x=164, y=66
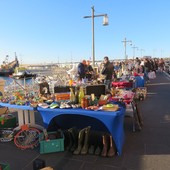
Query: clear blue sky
x=45, y=31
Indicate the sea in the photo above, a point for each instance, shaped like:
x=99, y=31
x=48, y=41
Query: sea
x=9, y=81
x=28, y=85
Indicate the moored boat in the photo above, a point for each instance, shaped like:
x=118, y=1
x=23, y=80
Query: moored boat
x=7, y=68
x=24, y=74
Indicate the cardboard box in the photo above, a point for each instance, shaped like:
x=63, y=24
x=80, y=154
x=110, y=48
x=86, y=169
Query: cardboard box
x=140, y=93
x=62, y=96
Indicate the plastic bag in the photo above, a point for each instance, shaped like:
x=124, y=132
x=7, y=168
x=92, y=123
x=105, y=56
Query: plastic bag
x=152, y=75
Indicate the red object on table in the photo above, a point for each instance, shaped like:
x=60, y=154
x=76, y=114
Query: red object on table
x=125, y=99
x=122, y=84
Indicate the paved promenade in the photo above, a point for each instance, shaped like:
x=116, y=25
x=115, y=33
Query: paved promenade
x=148, y=149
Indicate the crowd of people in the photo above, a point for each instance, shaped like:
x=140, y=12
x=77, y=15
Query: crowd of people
x=113, y=70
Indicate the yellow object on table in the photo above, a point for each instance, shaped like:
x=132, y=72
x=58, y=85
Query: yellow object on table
x=110, y=107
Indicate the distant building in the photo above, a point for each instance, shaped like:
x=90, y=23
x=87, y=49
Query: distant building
x=149, y=57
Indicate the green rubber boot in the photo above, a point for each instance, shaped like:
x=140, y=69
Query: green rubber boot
x=68, y=141
x=80, y=142
x=85, y=148
x=74, y=134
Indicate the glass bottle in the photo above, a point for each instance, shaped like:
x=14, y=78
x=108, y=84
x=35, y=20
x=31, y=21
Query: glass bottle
x=76, y=95
x=81, y=94
x=72, y=96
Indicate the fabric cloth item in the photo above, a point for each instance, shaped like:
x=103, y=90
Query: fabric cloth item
x=114, y=121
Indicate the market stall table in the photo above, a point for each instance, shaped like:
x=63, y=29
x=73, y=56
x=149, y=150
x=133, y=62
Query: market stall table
x=113, y=121
x=138, y=82
x=26, y=114
x=122, y=84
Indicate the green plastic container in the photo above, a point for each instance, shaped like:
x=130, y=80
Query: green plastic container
x=52, y=145
x=4, y=166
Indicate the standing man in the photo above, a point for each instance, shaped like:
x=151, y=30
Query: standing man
x=107, y=70
x=81, y=70
x=89, y=70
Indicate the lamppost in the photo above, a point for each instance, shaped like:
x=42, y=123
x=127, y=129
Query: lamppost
x=142, y=50
x=126, y=41
x=161, y=52
x=154, y=51
x=134, y=47
x=105, y=23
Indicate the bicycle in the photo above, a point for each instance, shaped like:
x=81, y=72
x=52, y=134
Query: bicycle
x=27, y=137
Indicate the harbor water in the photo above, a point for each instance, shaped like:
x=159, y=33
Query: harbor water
x=9, y=81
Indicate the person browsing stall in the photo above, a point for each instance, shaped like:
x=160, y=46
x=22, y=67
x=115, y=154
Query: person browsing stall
x=107, y=71
x=81, y=70
x=89, y=70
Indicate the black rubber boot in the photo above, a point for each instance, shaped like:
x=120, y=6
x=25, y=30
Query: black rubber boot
x=112, y=149
x=85, y=148
x=91, y=150
x=68, y=141
x=74, y=134
x=80, y=142
x=97, y=151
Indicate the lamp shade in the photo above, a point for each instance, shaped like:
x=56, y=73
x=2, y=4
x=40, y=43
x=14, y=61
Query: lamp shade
x=105, y=20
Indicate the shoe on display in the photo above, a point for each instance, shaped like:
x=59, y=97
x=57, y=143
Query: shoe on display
x=54, y=105
x=43, y=105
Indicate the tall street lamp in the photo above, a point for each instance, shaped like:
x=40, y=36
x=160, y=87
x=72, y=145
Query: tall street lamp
x=126, y=41
x=134, y=48
x=142, y=50
x=105, y=23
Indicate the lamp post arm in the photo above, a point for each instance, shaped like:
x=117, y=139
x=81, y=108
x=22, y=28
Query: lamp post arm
x=125, y=41
x=100, y=15
x=134, y=47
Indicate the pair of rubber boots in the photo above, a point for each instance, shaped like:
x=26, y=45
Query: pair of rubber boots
x=83, y=141
x=71, y=137
x=94, y=150
x=109, y=148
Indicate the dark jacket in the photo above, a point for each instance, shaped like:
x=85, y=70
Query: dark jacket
x=81, y=70
x=108, y=70
x=89, y=72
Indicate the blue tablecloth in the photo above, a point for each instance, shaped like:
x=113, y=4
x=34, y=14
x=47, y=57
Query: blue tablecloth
x=16, y=106
x=113, y=121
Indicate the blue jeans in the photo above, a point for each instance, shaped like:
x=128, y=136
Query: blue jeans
x=108, y=84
